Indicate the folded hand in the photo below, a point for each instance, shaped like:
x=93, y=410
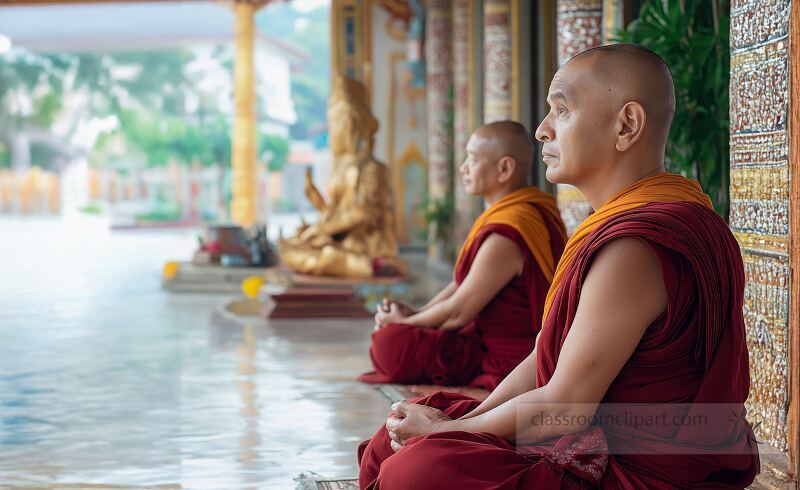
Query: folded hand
x=411, y=420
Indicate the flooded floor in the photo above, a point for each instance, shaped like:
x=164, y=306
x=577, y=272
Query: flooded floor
x=107, y=380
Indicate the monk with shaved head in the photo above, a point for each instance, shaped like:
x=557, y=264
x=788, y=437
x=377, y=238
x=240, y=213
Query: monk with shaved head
x=640, y=372
x=485, y=321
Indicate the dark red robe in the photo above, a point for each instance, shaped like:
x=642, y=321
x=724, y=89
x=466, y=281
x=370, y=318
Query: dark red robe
x=482, y=353
x=694, y=353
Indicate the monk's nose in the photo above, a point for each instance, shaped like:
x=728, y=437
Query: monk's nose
x=544, y=132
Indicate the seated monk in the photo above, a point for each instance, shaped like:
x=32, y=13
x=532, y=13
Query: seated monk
x=485, y=321
x=644, y=314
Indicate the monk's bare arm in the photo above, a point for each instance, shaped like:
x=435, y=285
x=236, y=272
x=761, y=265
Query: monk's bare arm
x=622, y=294
x=442, y=295
x=521, y=380
x=498, y=260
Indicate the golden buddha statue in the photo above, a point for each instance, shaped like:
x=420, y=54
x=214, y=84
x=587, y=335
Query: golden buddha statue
x=355, y=235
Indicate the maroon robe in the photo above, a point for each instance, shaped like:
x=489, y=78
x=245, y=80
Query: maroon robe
x=694, y=353
x=482, y=353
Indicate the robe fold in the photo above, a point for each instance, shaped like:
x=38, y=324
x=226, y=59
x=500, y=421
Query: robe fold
x=691, y=361
x=484, y=351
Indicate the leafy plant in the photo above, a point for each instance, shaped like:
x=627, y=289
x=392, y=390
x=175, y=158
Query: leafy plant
x=439, y=216
x=276, y=148
x=692, y=37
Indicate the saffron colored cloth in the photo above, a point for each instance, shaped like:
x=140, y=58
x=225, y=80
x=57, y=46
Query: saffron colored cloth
x=483, y=352
x=692, y=360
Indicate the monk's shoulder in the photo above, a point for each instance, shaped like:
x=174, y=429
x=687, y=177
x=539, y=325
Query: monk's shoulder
x=629, y=259
x=497, y=249
x=505, y=231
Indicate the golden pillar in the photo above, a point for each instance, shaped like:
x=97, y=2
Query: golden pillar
x=243, y=206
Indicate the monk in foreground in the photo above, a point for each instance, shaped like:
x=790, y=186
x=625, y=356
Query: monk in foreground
x=484, y=323
x=640, y=372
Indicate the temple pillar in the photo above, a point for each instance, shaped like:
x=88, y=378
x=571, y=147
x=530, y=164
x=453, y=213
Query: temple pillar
x=467, y=207
x=579, y=27
x=243, y=154
x=498, y=61
x=765, y=198
x=438, y=54
x=614, y=18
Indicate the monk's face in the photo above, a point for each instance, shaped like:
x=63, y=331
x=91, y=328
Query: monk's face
x=578, y=133
x=479, y=171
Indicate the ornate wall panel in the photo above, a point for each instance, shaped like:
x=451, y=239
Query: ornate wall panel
x=350, y=30
x=579, y=28
x=438, y=53
x=760, y=200
x=465, y=206
x=498, y=60
x=580, y=25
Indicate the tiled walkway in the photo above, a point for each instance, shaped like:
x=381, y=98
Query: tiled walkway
x=105, y=379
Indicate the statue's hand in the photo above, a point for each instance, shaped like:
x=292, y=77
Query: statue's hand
x=313, y=194
x=308, y=233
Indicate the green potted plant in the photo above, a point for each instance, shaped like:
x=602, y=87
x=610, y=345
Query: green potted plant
x=692, y=37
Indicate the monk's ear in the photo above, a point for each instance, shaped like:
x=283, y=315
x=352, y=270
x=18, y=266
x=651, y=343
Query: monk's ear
x=506, y=167
x=629, y=126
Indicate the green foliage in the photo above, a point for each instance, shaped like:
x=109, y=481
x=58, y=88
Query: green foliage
x=439, y=215
x=160, y=83
x=37, y=78
x=276, y=150
x=692, y=37
x=5, y=156
x=163, y=213
x=310, y=102
x=91, y=209
x=162, y=139
x=309, y=31
x=44, y=156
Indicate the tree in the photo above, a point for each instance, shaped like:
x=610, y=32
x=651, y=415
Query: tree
x=32, y=88
x=310, y=31
x=276, y=148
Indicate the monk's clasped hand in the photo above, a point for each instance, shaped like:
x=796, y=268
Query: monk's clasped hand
x=411, y=420
x=389, y=312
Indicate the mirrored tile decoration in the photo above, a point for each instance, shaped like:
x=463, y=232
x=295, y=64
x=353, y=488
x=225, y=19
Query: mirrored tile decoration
x=760, y=201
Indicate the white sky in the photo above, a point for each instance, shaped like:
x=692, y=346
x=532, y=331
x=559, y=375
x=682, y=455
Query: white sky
x=306, y=5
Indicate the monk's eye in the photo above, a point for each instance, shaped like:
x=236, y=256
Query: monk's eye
x=562, y=111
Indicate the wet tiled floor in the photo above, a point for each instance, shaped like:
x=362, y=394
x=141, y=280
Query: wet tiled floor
x=107, y=380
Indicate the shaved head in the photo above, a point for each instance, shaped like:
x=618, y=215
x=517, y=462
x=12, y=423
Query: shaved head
x=631, y=73
x=611, y=109
x=509, y=139
x=499, y=160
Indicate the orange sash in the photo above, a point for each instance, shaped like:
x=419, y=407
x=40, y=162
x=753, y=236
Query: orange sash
x=522, y=210
x=663, y=187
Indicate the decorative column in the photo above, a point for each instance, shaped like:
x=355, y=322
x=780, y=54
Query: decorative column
x=498, y=61
x=763, y=208
x=243, y=205
x=438, y=54
x=350, y=45
x=466, y=207
x=579, y=28
x=614, y=19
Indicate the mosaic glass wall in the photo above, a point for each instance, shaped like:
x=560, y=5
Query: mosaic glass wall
x=759, y=106
x=438, y=55
x=497, y=60
x=579, y=28
x=465, y=206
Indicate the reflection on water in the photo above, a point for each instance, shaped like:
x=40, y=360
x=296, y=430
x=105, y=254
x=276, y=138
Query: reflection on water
x=105, y=379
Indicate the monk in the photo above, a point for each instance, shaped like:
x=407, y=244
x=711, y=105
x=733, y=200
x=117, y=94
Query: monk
x=644, y=313
x=484, y=323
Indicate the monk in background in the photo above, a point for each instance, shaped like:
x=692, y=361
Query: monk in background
x=484, y=323
x=645, y=308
